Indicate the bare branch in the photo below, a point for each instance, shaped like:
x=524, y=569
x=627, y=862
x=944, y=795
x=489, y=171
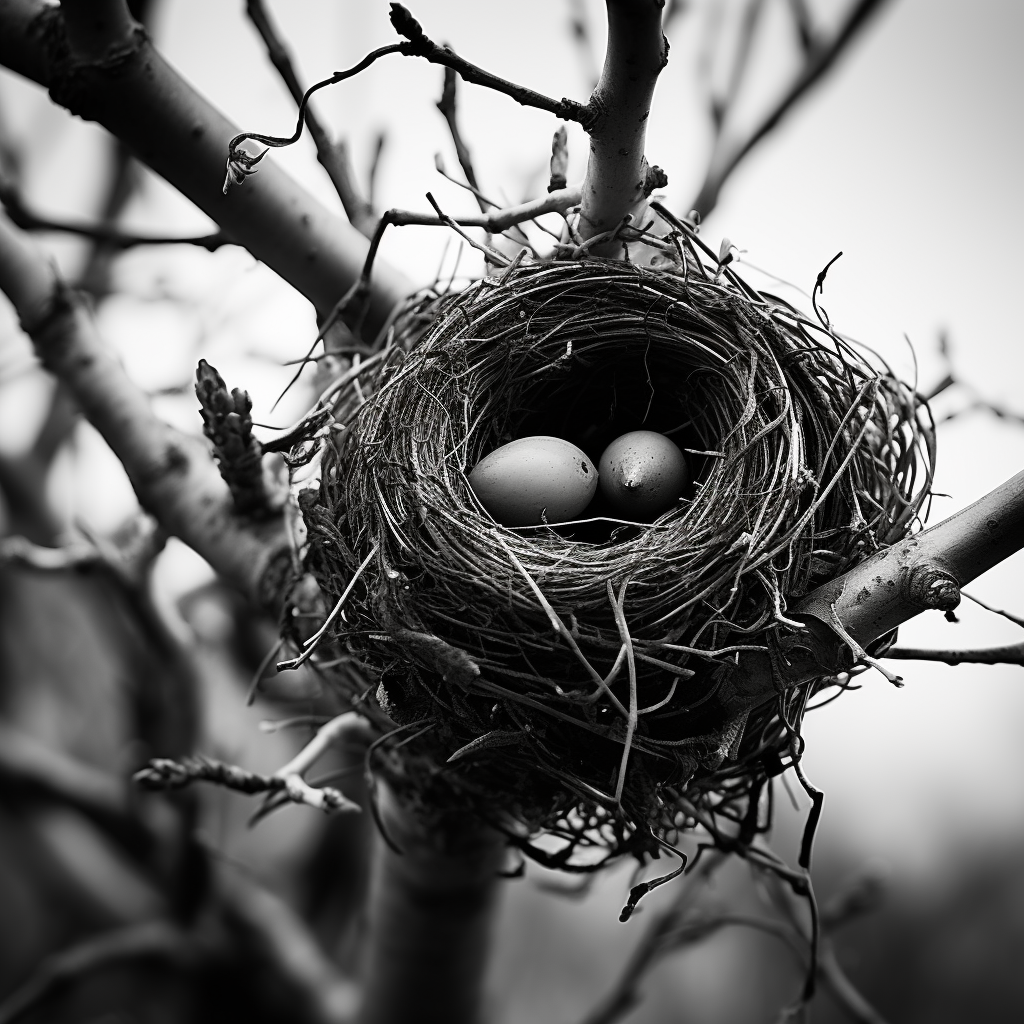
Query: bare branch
x=728, y=154
x=285, y=939
x=953, y=379
x=127, y=562
x=420, y=45
x=1015, y=619
x=1010, y=654
x=173, y=476
x=111, y=237
x=287, y=781
x=661, y=938
x=153, y=939
x=740, y=63
x=447, y=105
x=619, y=178
x=925, y=570
x=579, y=27
x=804, y=23
x=118, y=79
x=334, y=156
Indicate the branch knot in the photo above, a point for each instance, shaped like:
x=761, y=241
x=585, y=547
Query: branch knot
x=932, y=587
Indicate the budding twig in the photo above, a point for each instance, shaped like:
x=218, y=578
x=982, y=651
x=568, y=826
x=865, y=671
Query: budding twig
x=287, y=781
x=227, y=424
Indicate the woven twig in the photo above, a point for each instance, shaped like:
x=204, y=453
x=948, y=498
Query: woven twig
x=808, y=455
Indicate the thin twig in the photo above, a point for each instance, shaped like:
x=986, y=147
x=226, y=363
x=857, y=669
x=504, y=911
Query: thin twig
x=111, y=237
x=334, y=156
x=1009, y=654
x=287, y=782
x=995, y=611
x=310, y=645
x=447, y=105
x=820, y=58
x=627, y=643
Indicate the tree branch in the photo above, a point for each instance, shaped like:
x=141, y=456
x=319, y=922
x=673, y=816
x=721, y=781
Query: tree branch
x=923, y=571
x=619, y=178
x=172, y=474
x=820, y=58
x=333, y=156
x=429, y=918
x=109, y=236
x=1010, y=654
x=150, y=940
x=96, y=62
x=287, y=782
x=448, y=106
x=846, y=615
x=421, y=45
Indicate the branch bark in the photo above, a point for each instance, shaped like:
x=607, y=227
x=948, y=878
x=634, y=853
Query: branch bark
x=619, y=178
x=923, y=571
x=846, y=615
x=100, y=65
x=429, y=919
x=172, y=474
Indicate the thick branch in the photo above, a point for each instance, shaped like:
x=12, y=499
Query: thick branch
x=429, y=920
x=172, y=474
x=113, y=75
x=618, y=176
x=846, y=615
x=923, y=571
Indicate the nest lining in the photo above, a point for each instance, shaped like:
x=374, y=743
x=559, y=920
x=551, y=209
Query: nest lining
x=573, y=671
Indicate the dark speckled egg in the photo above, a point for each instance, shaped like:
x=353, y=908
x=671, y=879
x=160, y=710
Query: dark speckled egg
x=643, y=474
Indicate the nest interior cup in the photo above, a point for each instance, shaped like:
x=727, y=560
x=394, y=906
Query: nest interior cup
x=574, y=674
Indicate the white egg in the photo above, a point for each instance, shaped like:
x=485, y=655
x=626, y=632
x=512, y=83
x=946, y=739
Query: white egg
x=533, y=480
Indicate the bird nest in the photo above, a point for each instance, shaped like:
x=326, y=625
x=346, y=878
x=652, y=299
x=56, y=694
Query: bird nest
x=568, y=681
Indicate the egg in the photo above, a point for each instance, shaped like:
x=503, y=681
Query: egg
x=534, y=479
x=643, y=474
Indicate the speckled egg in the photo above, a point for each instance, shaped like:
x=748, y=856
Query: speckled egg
x=533, y=480
x=643, y=474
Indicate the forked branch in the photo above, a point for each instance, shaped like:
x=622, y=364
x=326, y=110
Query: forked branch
x=819, y=56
